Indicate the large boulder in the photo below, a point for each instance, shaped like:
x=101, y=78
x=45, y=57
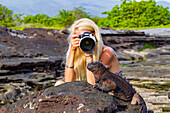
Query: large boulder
x=72, y=97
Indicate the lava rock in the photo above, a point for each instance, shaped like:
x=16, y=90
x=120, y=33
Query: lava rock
x=78, y=96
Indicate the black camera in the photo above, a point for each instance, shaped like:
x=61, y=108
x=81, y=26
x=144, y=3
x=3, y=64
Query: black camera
x=87, y=42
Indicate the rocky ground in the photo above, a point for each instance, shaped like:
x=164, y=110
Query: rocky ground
x=33, y=59
x=151, y=78
x=151, y=75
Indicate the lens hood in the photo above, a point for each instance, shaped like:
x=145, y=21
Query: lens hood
x=87, y=42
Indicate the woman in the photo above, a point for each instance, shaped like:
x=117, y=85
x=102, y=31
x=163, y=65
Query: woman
x=77, y=60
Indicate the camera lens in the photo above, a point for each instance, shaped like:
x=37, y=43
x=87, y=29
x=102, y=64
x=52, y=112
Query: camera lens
x=87, y=44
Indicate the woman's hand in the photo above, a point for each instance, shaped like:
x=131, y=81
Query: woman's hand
x=75, y=42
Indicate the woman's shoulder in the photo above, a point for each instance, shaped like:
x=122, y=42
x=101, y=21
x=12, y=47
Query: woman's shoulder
x=107, y=53
x=108, y=50
x=107, y=56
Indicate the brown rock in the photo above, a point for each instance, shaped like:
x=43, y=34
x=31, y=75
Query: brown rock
x=71, y=97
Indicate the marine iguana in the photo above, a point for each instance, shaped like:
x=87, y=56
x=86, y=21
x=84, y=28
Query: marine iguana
x=111, y=82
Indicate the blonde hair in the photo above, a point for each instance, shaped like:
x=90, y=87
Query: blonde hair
x=80, y=59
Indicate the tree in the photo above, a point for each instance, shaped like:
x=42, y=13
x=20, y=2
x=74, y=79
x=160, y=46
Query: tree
x=65, y=17
x=79, y=12
x=6, y=17
x=17, y=19
x=38, y=18
x=136, y=14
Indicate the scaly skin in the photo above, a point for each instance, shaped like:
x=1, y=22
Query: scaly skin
x=107, y=81
x=111, y=82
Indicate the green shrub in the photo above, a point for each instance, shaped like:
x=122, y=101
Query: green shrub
x=136, y=14
x=147, y=46
x=6, y=17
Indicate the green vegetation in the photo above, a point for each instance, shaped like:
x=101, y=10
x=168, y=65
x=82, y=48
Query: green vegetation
x=60, y=21
x=147, y=46
x=136, y=14
x=21, y=27
x=129, y=15
x=6, y=17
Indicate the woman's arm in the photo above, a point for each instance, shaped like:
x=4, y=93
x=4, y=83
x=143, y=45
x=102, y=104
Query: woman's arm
x=90, y=76
x=109, y=59
x=69, y=69
x=69, y=72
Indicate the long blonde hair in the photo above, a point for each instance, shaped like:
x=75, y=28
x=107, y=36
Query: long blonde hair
x=80, y=59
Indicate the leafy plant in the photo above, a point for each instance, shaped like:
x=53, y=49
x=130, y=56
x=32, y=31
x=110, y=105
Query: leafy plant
x=136, y=14
x=147, y=46
x=64, y=18
x=129, y=15
x=6, y=17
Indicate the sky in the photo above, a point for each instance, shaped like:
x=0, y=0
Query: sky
x=52, y=7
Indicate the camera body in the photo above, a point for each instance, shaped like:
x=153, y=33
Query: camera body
x=87, y=42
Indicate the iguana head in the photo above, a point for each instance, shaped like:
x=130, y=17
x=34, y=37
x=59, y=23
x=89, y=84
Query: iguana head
x=97, y=68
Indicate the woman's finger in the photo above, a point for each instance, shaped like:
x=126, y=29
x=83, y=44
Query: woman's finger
x=75, y=41
x=74, y=36
x=76, y=45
